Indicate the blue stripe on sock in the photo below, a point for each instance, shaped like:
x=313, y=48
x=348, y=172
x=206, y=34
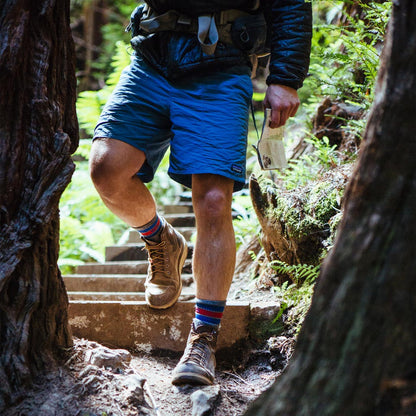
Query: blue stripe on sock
x=208, y=320
x=154, y=227
x=211, y=305
x=150, y=226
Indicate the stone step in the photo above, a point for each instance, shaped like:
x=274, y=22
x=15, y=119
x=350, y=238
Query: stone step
x=179, y=208
x=132, y=251
x=187, y=294
x=121, y=267
x=133, y=325
x=181, y=219
x=185, y=196
x=112, y=283
x=132, y=236
x=186, y=220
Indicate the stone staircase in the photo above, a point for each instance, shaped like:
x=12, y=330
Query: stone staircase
x=106, y=300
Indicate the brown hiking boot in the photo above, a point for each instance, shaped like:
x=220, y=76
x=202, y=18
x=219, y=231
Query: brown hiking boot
x=197, y=365
x=163, y=283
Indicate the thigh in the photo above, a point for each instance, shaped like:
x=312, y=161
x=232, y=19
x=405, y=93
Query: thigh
x=114, y=158
x=209, y=124
x=137, y=113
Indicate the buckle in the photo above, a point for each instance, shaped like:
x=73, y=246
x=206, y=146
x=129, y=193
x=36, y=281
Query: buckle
x=184, y=20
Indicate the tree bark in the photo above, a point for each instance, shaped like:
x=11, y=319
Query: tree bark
x=38, y=133
x=358, y=343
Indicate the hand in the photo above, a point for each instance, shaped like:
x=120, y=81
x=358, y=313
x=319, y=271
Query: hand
x=283, y=101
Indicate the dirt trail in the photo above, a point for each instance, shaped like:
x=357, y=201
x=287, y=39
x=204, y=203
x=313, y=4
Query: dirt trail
x=140, y=385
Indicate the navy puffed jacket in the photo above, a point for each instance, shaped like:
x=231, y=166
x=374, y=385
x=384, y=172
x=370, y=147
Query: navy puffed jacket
x=289, y=27
x=290, y=31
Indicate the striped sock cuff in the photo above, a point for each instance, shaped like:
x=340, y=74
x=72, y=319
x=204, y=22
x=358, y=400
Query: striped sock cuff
x=152, y=228
x=209, y=311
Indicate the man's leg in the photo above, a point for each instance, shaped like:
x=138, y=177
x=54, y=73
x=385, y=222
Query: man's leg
x=113, y=168
x=214, y=257
x=213, y=268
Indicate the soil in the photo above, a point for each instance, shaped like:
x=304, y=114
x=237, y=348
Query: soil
x=140, y=384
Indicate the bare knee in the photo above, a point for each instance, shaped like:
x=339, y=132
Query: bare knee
x=112, y=163
x=213, y=200
x=103, y=166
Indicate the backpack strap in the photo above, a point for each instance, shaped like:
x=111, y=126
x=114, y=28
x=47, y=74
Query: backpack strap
x=207, y=34
x=245, y=30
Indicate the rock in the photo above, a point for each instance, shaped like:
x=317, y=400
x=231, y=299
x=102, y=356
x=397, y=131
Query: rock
x=262, y=325
x=51, y=406
x=282, y=345
x=203, y=400
x=135, y=389
x=92, y=383
x=108, y=358
x=265, y=311
x=88, y=370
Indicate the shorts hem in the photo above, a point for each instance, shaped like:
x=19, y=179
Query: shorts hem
x=185, y=178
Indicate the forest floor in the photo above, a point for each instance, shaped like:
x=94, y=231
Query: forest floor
x=139, y=383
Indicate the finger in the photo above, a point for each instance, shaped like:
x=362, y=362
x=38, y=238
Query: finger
x=294, y=110
x=275, y=119
x=284, y=117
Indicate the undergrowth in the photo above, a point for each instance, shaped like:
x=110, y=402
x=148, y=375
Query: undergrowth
x=344, y=65
x=294, y=295
x=294, y=301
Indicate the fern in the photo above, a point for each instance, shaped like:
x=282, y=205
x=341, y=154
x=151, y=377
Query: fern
x=298, y=273
x=294, y=300
x=91, y=103
x=120, y=60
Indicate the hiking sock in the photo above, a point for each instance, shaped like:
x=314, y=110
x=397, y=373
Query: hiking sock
x=208, y=312
x=152, y=230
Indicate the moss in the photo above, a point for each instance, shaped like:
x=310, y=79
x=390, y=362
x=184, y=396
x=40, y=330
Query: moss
x=307, y=211
x=323, y=201
x=261, y=330
x=309, y=214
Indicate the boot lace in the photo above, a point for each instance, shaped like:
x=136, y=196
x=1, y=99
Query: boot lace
x=198, y=348
x=157, y=257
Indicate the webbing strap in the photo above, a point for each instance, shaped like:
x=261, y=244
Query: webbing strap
x=207, y=33
x=155, y=23
x=209, y=28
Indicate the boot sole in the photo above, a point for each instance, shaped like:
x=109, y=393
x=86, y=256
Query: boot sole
x=191, y=378
x=174, y=300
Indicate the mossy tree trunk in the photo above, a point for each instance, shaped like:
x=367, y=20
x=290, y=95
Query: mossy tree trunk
x=356, y=353
x=38, y=133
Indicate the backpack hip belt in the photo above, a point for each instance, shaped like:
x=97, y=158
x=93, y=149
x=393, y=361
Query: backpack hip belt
x=210, y=29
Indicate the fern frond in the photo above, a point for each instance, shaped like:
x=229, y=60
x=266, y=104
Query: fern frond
x=91, y=103
x=298, y=273
x=121, y=59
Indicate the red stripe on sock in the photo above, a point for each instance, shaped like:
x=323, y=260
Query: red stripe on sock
x=152, y=230
x=211, y=314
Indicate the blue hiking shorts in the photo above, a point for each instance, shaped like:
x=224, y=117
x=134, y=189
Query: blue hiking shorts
x=203, y=118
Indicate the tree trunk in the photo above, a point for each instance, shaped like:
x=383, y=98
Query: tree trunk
x=38, y=133
x=94, y=17
x=356, y=353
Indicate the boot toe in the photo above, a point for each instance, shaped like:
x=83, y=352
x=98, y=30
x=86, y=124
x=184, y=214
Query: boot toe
x=161, y=297
x=189, y=373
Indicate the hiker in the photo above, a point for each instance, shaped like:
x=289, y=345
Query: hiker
x=189, y=88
